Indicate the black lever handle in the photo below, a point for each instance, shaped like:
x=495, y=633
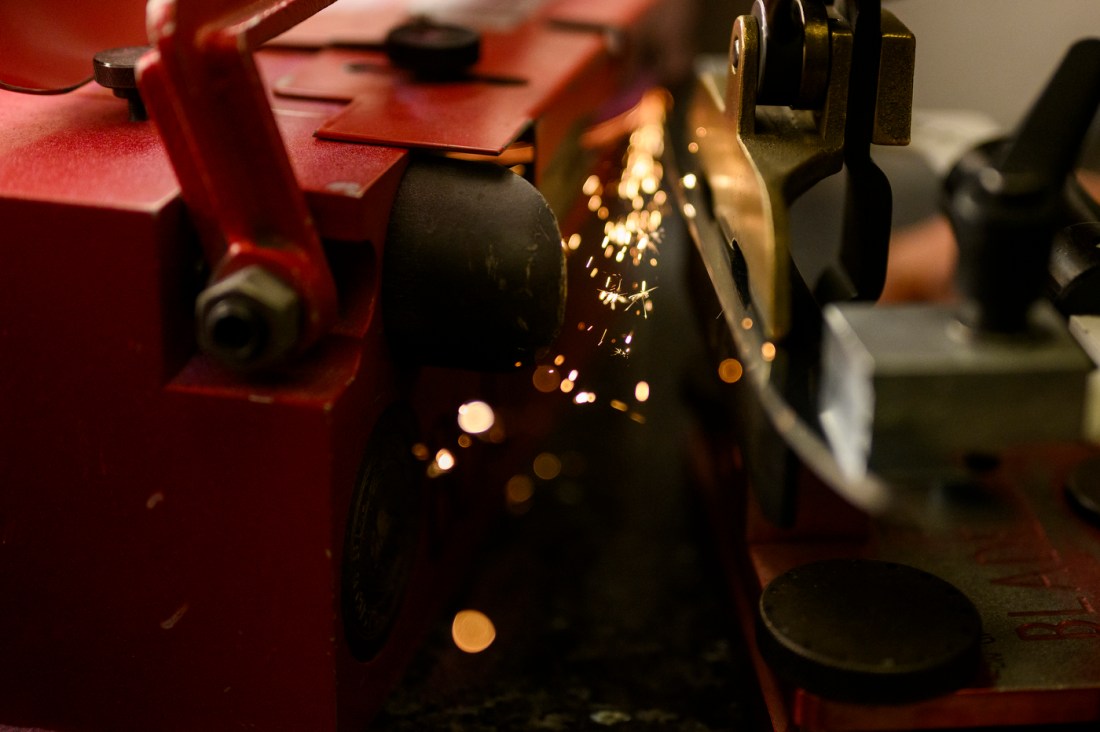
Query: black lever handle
x=1004, y=201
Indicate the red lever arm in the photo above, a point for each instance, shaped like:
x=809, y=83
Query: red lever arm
x=202, y=89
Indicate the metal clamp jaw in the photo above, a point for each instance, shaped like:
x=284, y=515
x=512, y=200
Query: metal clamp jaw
x=271, y=293
x=807, y=89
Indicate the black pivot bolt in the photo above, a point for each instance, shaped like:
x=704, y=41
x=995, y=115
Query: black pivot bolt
x=249, y=320
x=116, y=69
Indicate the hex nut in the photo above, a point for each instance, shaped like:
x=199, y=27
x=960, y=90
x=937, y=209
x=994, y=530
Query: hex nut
x=249, y=320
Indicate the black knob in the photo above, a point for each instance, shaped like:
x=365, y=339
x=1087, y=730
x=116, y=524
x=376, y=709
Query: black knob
x=869, y=631
x=433, y=50
x=116, y=69
x=1007, y=200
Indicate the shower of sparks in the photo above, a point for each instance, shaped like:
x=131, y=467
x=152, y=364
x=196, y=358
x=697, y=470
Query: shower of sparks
x=643, y=296
x=610, y=298
x=630, y=207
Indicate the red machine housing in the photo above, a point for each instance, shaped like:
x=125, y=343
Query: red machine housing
x=172, y=534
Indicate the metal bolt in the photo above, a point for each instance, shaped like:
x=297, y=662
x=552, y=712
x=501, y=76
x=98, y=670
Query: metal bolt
x=249, y=320
x=116, y=69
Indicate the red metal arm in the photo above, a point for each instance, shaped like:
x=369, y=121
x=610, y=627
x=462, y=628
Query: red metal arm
x=202, y=89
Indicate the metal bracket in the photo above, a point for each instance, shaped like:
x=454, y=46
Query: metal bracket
x=760, y=158
x=202, y=90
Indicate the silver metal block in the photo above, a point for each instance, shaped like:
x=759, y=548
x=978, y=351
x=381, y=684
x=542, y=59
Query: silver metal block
x=908, y=391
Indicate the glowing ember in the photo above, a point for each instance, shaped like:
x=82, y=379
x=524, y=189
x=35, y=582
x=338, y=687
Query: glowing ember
x=518, y=490
x=475, y=417
x=730, y=371
x=444, y=460
x=472, y=631
x=546, y=379
x=630, y=211
x=767, y=351
x=547, y=466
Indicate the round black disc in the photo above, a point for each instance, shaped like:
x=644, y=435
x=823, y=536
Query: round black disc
x=433, y=50
x=869, y=631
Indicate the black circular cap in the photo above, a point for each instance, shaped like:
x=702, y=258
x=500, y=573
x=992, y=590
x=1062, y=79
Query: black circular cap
x=1083, y=490
x=869, y=631
x=433, y=49
x=115, y=68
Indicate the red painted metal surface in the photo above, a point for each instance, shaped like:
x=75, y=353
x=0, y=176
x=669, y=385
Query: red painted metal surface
x=49, y=44
x=171, y=535
x=475, y=116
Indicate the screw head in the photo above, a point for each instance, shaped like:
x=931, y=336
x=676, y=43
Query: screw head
x=249, y=320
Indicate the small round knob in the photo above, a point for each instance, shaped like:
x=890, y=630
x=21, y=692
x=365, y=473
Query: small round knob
x=116, y=69
x=433, y=50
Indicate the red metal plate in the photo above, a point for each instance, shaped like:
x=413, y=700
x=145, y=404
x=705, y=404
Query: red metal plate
x=475, y=116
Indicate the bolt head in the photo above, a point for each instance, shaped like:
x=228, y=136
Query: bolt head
x=249, y=320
